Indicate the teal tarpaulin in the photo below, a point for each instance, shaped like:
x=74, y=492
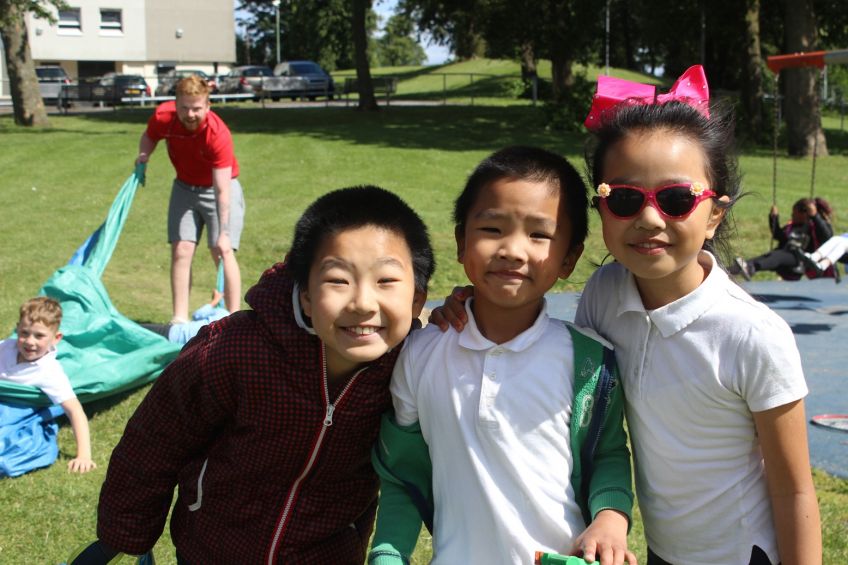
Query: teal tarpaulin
x=103, y=352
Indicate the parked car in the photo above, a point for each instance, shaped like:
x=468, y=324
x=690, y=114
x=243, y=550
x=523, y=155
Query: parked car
x=258, y=80
x=312, y=81
x=112, y=87
x=168, y=82
x=51, y=83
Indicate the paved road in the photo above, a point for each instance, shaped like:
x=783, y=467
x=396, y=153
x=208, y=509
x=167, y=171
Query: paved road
x=817, y=311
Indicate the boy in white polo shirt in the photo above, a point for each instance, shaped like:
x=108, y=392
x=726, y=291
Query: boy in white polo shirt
x=30, y=359
x=520, y=414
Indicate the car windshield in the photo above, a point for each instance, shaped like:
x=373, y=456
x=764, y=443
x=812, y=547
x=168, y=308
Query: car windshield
x=130, y=78
x=305, y=69
x=258, y=72
x=184, y=74
x=51, y=72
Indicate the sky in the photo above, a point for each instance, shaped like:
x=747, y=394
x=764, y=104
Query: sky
x=436, y=54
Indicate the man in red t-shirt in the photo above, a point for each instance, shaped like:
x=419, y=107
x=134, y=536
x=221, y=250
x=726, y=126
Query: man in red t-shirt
x=206, y=190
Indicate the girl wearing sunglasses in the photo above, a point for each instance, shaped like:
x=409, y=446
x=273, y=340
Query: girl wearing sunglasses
x=712, y=379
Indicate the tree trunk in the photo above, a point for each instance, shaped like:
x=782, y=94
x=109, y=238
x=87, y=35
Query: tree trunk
x=561, y=75
x=23, y=84
x=803, y=115
x=467, y=42
x=752, y=77
x=528, y=61
x=364, y=85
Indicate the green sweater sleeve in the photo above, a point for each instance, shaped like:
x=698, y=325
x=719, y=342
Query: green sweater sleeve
x=402, y=460
x=610, y=486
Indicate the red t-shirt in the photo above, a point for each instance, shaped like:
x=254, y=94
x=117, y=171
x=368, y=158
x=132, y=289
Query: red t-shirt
x=194, y=154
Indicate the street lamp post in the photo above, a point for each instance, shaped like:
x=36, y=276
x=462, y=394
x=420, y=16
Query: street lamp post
x=276, y=4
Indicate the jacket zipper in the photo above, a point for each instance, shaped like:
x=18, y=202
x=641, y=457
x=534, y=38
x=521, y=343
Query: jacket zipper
x=327, y=422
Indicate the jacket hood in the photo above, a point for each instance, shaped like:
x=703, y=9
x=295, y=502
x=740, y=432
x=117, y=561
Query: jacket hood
x=272, y=301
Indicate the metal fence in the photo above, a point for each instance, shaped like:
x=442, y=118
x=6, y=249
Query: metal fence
x=433, y=88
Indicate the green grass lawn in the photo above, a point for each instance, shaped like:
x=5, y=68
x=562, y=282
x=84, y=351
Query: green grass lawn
x=58, y=183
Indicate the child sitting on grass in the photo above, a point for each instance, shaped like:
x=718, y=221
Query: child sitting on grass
x=30, y=359
x=266, y=419
x=520, y=414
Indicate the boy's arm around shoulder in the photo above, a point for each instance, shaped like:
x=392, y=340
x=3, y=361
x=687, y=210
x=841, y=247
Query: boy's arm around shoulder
x=182, y=412
x=402, y=459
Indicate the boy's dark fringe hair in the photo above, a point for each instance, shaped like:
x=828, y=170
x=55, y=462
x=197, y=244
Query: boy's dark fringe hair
x=715, y=135
x=352, y=208
x=532, y=164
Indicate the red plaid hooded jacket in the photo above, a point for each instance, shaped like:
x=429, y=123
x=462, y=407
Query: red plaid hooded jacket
x=240, y=422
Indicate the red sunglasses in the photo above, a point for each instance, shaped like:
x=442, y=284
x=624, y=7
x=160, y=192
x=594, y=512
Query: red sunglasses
x=672, y=201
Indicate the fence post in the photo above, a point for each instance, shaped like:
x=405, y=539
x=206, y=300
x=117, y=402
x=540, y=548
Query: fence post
x=535, y=88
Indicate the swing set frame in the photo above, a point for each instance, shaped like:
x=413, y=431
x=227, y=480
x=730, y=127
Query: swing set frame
x=777, y=63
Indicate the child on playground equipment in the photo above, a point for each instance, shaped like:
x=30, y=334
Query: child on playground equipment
x=809, y=228
x=267, y=418
x=521, y=414
x=30, y=359
x=712, y=379
x=827, y=255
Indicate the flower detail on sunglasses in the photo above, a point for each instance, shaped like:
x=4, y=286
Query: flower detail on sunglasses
x=697, y=189
x=604, y=190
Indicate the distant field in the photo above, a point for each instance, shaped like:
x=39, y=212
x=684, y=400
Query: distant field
x=58, y=183
x=481, y=81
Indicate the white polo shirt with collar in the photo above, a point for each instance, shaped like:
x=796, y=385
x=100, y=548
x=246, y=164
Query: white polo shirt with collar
x=693, y=372
x=496, y=419
x=45, y=373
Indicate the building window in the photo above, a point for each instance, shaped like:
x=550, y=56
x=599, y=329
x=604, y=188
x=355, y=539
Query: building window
x=70, y=22
x=110, y=22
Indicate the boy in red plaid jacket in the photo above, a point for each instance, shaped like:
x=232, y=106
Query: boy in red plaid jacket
x=266, y=419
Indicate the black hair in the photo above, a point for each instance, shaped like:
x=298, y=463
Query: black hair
x=825, y=210
x=356, y=207
x=714, y=135
x=530, y=164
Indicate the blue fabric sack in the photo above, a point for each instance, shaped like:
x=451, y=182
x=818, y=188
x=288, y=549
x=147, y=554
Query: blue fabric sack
x=27, y=438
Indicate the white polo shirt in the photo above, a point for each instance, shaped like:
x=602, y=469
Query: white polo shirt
x=496, y=419
x=693, y=372
x=45, y=373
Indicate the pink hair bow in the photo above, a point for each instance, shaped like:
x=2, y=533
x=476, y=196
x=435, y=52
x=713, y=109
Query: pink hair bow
x=691, y=88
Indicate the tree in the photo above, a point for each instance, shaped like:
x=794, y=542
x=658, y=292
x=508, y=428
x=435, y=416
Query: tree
x=801, y=100
x=318, y=30
x=753, y=111
x=456, y=23
x=23, y=83
x=397, y=47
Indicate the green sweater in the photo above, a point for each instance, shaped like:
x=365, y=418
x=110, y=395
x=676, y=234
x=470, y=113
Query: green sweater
x=601, y=461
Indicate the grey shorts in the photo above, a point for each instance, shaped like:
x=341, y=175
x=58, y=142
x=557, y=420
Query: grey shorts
x=192, y=207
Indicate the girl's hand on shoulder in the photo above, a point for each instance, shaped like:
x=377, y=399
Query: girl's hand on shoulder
x=605, y=540
x=81, y=465
x=452, y=312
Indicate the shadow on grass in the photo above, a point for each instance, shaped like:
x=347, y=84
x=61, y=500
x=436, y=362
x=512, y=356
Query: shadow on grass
x=447, y=128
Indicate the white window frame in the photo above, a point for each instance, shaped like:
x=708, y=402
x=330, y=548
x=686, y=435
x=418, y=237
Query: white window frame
x=109, y=27
x=71, y=23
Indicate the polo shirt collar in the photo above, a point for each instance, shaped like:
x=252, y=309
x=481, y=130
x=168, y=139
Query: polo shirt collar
x=678, y=315
x=471, y=338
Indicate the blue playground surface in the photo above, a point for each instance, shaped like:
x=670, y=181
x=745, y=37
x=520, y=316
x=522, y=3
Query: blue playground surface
x=817, y=312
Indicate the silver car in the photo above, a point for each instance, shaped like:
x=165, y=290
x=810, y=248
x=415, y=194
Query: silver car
x=306, y=79
x=53, y=81
x=253, y=79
